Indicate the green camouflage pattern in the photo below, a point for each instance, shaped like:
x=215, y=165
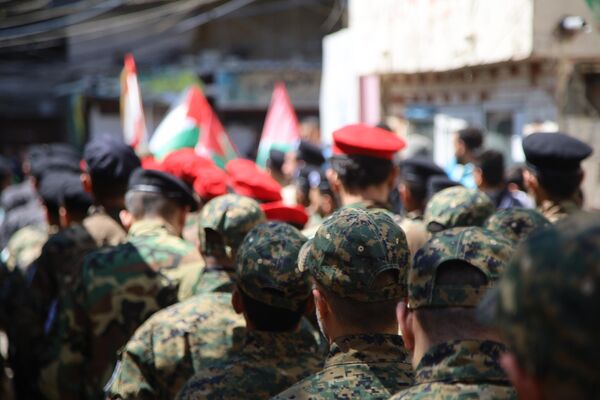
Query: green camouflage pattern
x=104, y=228
x=457, y=206
x=232, y=216
x=215, y=279
x=267, y=363
x=369, y=366
x=267, y=266
x=481, y=248
x=464, y=369
x=548, y=305
x=24, y=246
x=174, y=344
x=119, y=288
x=351, y=248
x=516, y=223
x=556, y=211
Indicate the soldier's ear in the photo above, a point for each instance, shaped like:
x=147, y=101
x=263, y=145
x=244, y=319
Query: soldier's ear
x=86, y=182
x=237, y=302
x=126, y=219
x=321, y=304
x=334, y=180
x=527, y=386
x=405, y=324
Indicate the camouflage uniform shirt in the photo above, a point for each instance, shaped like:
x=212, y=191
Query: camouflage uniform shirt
x=266, y=364
x=172, y=345
x=466, y=369
x=119, y=288
x=371, y=366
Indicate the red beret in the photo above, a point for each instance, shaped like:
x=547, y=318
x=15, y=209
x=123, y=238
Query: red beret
x=247, y=179
x=185, y=164
x=210, y=182
x=149, y=162
x=277, y=211
x=366, y=140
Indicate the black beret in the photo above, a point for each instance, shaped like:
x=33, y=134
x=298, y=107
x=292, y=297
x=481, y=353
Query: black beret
x=109, y=157
x=169, y=186
x=438, y=183
x=73, y=195
x=554, y=152
x=51, y=187
x=419, y=169
x=276, y=159
x=310, y=154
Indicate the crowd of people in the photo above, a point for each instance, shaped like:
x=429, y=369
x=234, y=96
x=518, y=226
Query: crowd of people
x=363, y=274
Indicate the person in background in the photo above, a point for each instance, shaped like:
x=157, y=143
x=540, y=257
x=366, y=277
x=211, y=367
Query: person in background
x=437, y=183
x=454, y=355
x=490, y=179
x=415, y=172
x=310, y=130
x=467, y=143
x=274, y=166
x=546, y=308
x=553, y=175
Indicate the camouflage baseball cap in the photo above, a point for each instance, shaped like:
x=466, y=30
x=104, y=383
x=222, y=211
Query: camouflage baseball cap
x=352, y=248
x=516, y=223
x=548, y=303
x=457, y=206
x=231, y=216
x=267, y=266
x=481, y=248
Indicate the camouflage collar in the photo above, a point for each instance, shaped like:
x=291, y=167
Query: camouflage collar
x=370, y=205
x=367, y=348
x=100, y=210
x=275, y=345
x=555, y=211
x=151, y=227
x=464, y=361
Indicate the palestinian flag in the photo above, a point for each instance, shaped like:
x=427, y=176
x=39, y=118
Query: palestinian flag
x=193, y=123
x=281, y=130
x=132, y=109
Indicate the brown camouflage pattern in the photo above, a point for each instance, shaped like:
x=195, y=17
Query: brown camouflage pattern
x=483, y=249
x=457, y=206
x=351, y=248
x=467, y=369
x=372, y=366
x=516, y=223
x=556, y=211
x=267, y=266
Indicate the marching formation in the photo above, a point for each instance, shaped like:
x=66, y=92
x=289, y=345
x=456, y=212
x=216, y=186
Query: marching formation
x=363, y=274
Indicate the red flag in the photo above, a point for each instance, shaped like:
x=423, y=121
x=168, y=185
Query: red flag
x=132, y=109
x=281, y=128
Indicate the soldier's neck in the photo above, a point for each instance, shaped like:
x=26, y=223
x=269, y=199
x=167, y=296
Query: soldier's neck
x=378, y=194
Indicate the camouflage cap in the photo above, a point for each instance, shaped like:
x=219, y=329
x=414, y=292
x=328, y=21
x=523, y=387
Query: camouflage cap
x=232, y=216
x=481, y=248
x=457, y=206
x=352, y=248
x=549, y=301
x=267, y=266
x=516, y=223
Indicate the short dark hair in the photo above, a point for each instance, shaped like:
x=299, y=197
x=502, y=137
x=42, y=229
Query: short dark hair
x=418, y=191
x=378, y=316
x=145, y=204
x=559, y=185
x=472, y=137
x=268, y=318
x=104, y=187
x=449, y=323
x=359, y=172
x=491, y=163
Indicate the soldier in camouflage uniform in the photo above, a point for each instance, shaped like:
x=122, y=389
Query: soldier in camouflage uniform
x=454, y=355
x=455, y=207
x=516, y=223
x=547, y=309
x=174, y=343
x=358, y=261
x=272, y=294
x=122, y=286
x=553, y=173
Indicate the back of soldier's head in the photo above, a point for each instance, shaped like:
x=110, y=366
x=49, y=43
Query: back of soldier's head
x=274, y=290
x=359, y=260
x=457, y=207
x=226, y=220
x=449, y=276
x=547, y=307
x=472, y=138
